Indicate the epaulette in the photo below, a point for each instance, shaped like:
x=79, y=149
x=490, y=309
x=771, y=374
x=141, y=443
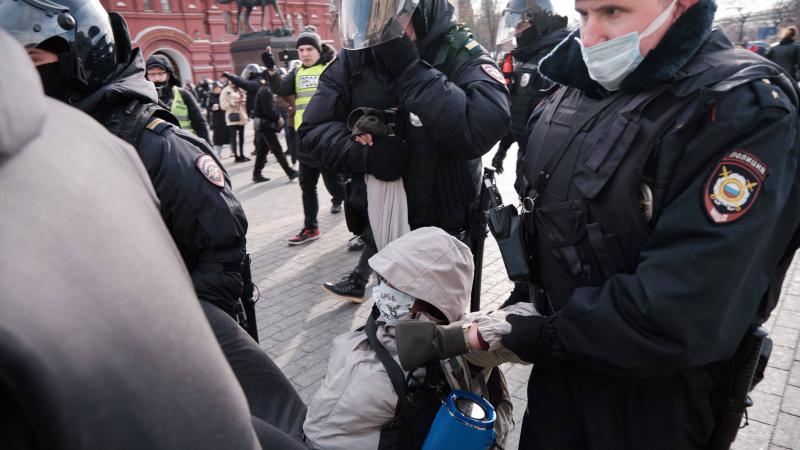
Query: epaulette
x=158, y=126
x=458, y=42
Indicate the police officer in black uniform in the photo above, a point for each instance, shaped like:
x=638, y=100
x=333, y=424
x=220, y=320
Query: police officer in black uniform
x=84, y=57
x=537, y=29
x=441, y=91
x=663, y=204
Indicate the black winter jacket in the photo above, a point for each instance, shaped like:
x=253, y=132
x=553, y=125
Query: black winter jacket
x=205, y=220
x=449, y=120
x=786, y=54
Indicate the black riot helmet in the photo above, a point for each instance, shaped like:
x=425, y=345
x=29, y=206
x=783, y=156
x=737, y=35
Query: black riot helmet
x=251, y=71
x=518, y=11
x=91, y=55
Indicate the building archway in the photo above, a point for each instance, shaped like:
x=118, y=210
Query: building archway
x=182, y=67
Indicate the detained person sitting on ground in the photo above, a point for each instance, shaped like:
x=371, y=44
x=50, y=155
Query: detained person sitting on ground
x=425, y=275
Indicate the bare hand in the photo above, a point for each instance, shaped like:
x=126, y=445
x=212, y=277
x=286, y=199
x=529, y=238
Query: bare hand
x=364, y=139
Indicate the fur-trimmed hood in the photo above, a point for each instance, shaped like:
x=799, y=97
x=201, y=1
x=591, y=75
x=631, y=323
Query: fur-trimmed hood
x=327, y=54
x=565, y=66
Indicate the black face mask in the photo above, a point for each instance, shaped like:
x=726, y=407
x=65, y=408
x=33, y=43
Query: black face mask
x=162, y=88
x=54, y=82
x=527, y=37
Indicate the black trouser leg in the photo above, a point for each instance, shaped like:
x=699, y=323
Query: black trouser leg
x=363, y=270
x=334, y=182
x=271, y=397
x=261, y=154
x=570, y=408
x=240, y=132
x=271, y=138
x=309, y=176
x=291, y=142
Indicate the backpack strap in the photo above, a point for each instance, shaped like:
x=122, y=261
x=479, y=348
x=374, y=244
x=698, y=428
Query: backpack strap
x=393, y=369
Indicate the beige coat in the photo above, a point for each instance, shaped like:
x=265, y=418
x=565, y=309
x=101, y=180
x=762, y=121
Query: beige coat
x=233, y=100
x=357, y=399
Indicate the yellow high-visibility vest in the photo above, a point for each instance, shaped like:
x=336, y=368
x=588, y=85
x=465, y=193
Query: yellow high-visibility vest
x=305, y=84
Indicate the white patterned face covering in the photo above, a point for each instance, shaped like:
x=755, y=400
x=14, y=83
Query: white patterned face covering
x=391, y=303
x=612, y=61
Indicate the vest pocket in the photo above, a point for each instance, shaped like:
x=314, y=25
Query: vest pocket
x=561, y=226
x=611, y=148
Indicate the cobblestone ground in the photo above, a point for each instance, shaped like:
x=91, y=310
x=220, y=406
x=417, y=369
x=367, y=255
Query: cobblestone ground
x=297, y=319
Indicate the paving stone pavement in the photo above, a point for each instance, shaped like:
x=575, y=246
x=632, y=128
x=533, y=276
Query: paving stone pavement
x=297, y=319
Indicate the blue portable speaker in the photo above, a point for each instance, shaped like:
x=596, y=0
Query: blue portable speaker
x=464, y=422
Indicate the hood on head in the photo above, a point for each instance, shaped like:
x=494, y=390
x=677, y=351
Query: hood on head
x=163, y=62
x=432, y=266
x=23, y=113
x=565, y=66
x=127, y=85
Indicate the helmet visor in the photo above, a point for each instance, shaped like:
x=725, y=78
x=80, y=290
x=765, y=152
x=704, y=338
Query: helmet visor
x=367, y=23
x=33, y=22
x=511, y=19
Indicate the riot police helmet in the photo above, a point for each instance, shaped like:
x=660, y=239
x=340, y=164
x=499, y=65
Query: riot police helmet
x=518, y=12
x=251, y=71
x=81, y=29
x=369, y=23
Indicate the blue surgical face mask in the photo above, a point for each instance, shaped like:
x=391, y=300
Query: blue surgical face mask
x=391, y=303
x=612, y=61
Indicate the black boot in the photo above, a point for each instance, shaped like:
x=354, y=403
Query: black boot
x=350, y=287
x=258, y=178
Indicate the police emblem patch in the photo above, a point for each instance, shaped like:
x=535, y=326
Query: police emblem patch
x=494, y=73
x=733, y=186
x=211, y=170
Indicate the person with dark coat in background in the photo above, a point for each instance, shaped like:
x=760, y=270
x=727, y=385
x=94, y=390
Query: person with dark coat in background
x=786, y=53
x=179, y=101
x=104, y=342
x=537, y=30
x=448, y=103
x=197, y=202
x=216, y=115
x=666, y=162
x=268, y=122
x=302, y=83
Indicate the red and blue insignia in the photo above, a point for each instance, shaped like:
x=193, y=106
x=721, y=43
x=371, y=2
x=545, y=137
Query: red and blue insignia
x=733, y=186
x=494, y=72
x=211, y=170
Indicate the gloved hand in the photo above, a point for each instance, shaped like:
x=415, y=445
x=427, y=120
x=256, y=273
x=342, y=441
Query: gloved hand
x=530, y=339
x=257, y=124
x=397, y=55
x=226, y=74
x=420, y=341
x=494, y=325
x=268, y=60
x=497, y=163
x=387, y=157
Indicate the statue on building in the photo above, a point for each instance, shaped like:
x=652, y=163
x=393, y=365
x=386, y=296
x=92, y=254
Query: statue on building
x=245, y=7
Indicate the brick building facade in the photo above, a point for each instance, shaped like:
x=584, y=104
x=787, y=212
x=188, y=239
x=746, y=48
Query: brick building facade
x=196, y=35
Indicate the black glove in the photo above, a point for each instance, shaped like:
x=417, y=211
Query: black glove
x=529, y=338
x=497, y=163
x=226, y=74
x=397, y=55
x=387, y=158
x=420, y=341
x=268, y=60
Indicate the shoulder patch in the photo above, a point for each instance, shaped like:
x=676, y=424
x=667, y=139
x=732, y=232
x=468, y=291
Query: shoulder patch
x=211, y=170
x=494, y=72
x=733, y=186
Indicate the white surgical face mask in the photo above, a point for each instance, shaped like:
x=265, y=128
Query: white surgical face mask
x=391, y=303
x=612, y=61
